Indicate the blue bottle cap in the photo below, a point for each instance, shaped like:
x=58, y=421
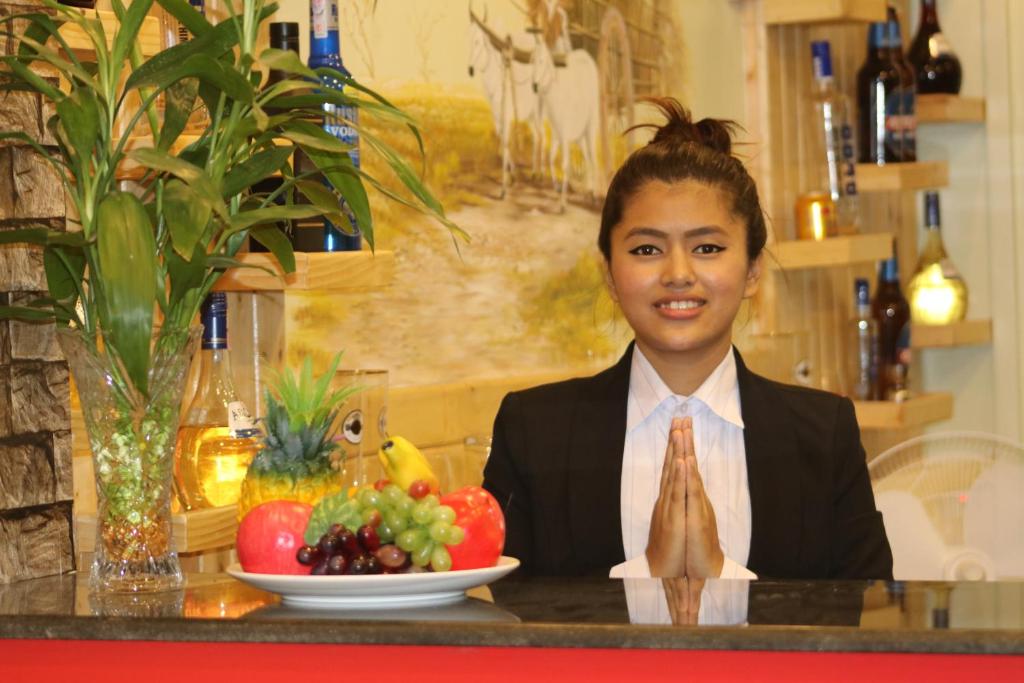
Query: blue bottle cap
x=214, y=316
x=932, y=218
x=862, y=292
x=821, y=58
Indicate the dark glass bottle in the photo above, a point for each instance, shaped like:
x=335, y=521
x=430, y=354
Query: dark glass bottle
x=936, y=66
x=907, y=121
x=325, y=51
x=284, y=35
x=878, y=93
x=892, y=313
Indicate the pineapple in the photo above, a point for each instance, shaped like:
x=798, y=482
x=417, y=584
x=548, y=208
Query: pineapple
x=299, y=459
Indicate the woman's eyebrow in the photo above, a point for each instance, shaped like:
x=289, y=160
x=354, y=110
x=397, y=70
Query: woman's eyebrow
x=644, y=231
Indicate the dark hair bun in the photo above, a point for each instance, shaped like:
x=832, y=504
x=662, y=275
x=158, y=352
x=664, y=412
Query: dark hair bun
x=679, y=128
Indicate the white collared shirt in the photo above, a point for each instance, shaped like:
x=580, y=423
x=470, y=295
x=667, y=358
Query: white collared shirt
x=721, y=460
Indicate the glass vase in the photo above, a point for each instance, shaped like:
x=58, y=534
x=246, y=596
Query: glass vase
x=132, y=438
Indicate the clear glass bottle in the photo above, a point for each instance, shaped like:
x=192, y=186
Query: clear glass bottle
x=862, y=363
x=937, y=292
x=339, y=121
x=218, y=437
x=833, y=147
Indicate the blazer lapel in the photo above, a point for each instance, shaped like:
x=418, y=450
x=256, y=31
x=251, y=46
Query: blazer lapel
x=773, y=466
x=598, y=436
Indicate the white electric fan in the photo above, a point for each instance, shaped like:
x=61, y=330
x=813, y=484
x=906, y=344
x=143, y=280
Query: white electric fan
x=953, y=505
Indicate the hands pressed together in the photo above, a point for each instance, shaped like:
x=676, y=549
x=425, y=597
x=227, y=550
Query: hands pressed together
x=683, y=539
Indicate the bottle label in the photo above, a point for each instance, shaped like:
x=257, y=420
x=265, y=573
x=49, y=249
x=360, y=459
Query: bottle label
x=938, y=45
x=240, y=421
x=893, y=123
x=323, y=17
x=848, y=166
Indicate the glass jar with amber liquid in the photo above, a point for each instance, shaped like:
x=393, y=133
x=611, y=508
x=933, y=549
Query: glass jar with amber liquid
x=218, y=437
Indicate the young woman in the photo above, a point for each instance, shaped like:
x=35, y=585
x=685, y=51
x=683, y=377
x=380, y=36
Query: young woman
x=679, y=461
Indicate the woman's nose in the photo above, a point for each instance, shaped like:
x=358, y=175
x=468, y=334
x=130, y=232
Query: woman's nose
x=678, y=269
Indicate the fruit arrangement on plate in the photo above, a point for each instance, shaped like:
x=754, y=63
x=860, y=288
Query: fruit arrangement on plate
x=295, y=521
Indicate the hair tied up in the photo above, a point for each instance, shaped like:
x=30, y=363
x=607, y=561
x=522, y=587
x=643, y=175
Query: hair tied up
x=679, y=127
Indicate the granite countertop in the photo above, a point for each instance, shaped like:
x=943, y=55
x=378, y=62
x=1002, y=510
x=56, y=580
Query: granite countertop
x=535, y=612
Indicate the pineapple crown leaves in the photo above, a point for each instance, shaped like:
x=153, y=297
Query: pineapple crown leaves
x=308, y=401
x=298, y=453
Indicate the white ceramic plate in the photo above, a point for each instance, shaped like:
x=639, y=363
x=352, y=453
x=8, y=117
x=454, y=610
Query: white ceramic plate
x=377, y=590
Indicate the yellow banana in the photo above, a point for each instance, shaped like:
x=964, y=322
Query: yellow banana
x=403, y=464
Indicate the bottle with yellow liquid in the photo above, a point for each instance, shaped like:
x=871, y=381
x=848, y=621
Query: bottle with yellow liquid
x=218, y=437
x=937, y=293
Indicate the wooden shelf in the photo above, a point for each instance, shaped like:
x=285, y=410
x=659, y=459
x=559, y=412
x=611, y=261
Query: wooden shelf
x=821, y=11
x=191, y=532
x=343, y=271
x=950, y=109
x=79, y=42
x=919, y=175
x=827, y=253
x=966, y=333
x=919, y=411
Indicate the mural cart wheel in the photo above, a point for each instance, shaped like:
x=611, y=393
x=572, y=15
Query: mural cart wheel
x=615, y=68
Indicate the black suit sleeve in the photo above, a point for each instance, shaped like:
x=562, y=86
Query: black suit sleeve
x=503, y=478
x=860, y=549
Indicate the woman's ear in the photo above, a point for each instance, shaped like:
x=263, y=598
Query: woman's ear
x=753, y=277
x=608, y=281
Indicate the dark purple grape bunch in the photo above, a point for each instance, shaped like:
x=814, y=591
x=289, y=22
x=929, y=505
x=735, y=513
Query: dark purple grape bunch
x=340, y=551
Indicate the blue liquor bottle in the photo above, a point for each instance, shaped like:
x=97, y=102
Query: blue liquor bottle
x=325, y=51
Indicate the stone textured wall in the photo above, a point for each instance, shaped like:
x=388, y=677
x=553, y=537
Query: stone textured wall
x=35, y=436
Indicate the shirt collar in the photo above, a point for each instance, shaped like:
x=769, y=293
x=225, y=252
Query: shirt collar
x=720, y=392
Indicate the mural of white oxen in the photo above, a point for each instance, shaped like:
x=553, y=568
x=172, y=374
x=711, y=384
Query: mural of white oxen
x=507, y=80
x=571, y=100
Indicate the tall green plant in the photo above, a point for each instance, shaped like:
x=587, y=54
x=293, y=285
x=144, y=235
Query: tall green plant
x=164, y=248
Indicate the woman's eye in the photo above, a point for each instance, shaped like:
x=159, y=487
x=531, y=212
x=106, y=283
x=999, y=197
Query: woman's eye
x=708, y=249
x=644, y=250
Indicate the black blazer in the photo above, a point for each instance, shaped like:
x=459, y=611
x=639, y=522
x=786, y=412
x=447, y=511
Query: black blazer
x=556, y=464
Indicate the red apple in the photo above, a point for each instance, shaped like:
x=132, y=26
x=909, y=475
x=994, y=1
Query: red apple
x=480, y=516
x=270, y=535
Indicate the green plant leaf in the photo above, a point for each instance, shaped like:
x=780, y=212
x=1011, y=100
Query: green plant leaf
x=25, y=313
x=324, y=199
x=211, y=43
x=226, y=262
x=194, y=21
x=286, y=61
x=256, y=168
x=270, y=214
x=342, y=174
x=161, y=160
x=42, y=236
x=204, y=67
x=126, y=253
x=37, y=82
x=65, y=268
x=129, y=23
x=184, y=275
x=324, y=143
x=79, y=115
x=273, y=239
x=186, y=216
x=179, y=99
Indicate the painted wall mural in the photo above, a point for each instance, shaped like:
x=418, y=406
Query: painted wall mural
x=523, y=107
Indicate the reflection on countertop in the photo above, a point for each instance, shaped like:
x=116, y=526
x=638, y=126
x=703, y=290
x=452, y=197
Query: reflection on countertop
x=548, y=612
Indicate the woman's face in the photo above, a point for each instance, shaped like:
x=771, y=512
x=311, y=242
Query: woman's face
x=679, y=269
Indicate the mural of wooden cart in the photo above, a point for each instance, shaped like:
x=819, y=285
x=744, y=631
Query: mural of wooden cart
x=630, y=40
